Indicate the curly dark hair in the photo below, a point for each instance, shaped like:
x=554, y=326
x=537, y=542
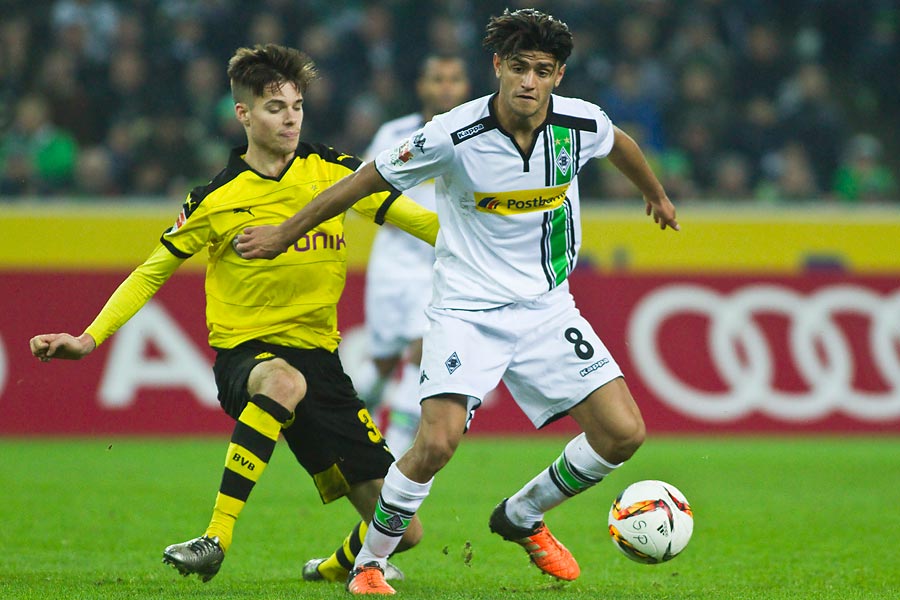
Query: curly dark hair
x=253, y=71
x=528, y=29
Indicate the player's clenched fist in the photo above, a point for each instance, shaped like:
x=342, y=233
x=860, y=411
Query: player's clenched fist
x=61, y=345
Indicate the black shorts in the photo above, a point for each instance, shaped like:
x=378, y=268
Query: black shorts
x=332, y=434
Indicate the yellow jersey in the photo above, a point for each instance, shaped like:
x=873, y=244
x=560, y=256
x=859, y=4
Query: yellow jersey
x=290, y=300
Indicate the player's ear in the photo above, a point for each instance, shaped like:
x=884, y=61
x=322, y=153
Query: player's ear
x=497, y=65
x=559, y=75
x=242, y=113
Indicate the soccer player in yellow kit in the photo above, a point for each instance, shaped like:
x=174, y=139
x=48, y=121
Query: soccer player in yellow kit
x=273, y=324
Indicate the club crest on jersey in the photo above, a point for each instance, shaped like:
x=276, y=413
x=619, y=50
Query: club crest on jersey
x=453, y=363
x=563, y=161
x=522, y=201
x=401, y=155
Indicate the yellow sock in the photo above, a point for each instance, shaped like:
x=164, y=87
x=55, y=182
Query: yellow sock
x=337, y=566
x=252, y=444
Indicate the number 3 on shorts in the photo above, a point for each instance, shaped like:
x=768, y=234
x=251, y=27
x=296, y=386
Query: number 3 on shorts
x=366, y=419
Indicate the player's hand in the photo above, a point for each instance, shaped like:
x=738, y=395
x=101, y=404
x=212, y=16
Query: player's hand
x=663, y=213
x=263, y=241
x=61, y=345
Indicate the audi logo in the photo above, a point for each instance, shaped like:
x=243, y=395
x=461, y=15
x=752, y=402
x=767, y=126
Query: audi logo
x=742, y=354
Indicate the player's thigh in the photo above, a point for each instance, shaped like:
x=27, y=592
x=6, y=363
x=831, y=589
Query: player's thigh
x=333, y=435
x=559, y=361
x=462, y=354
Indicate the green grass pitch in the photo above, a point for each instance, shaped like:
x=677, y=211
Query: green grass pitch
x=814, y=517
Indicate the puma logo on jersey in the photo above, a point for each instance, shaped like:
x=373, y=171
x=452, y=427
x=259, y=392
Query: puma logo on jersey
x=248, y=210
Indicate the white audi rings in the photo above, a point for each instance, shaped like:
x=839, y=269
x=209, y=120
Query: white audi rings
x=741, y=352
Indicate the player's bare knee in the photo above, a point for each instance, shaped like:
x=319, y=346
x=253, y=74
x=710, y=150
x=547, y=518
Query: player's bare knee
x=278, y=380
x=431, y=454
x=628, y=440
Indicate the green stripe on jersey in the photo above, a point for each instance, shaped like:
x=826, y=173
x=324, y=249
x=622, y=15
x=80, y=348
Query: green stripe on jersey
x=563, y=160
x=559, y=243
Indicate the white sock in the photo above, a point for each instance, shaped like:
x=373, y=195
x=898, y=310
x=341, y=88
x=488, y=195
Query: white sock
x=400, y=498
x=405, y=411
x=577, y=468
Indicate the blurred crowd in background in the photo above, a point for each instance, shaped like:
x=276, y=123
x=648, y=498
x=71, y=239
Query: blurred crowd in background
x=752, y=100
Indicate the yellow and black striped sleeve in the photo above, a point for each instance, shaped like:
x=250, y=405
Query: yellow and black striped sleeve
x=134, y=292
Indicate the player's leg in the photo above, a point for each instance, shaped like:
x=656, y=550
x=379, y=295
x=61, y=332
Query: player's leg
x=272, y=391
x=336, y=567
x=404, y=410
x=406, y=486
x=465, y=353
x=609, y=416
x=335, y=439
x=586, y=383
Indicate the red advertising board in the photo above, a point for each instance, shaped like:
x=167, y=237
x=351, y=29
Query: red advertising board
x=702, y=354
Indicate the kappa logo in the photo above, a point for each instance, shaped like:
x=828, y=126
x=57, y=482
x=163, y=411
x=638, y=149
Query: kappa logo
x=423, y=378
x=453, y=363
x=419, y=142
x=588, y=370
x=469, y=132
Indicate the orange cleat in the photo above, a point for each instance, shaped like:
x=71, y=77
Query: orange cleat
x=543, y=549
x=369, y=579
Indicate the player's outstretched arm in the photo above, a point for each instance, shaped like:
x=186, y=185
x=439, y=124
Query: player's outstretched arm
x=628, y=158
x=129, y=297
x=268, y=241
x=48, y=346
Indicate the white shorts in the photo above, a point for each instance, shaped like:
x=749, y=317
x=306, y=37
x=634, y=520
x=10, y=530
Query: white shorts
x=398, y=290
x=545, y=352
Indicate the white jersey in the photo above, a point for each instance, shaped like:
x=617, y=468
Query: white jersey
x=510, y=221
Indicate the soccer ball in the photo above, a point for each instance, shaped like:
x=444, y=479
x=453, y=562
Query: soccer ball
x=651, y=521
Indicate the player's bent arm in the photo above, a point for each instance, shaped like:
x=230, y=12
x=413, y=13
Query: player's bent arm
x=133, y=293
x=269, y=241
x=628, y=158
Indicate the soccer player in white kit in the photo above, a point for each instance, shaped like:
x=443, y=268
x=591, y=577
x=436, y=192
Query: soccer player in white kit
x=508, y=205
x=398, y=276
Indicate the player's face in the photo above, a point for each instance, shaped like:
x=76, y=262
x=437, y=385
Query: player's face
x=443, y=85
x=273, y=120
x=526, y=81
